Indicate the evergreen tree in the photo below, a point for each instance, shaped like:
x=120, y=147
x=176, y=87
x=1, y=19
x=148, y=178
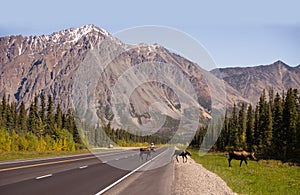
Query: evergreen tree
x=242, y=127
x=13, y=117
x=262, y=121
x=290, y=116
x=224, y=135
x=22, y=118
x=278, y=133
x=42, y=113
x=50, y=116
x=268, y=132
x=9, y=118
x=271, y=97
x=33, y=117
x=233, y=126
x=58, y=117
x=257, y=139
x=250, y=128
x=4, y=112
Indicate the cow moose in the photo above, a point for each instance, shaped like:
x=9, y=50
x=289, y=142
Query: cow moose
x=243, y=155
x=183, y=153
x=146, y=151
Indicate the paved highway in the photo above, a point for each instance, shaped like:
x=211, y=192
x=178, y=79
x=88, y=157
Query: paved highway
x=110, y=172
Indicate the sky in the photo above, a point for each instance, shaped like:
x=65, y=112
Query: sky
x=234, y=32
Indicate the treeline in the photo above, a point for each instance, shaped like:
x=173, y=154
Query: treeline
x=44, y=127
x=41, y=128
x=102, y=136
x=271, y=129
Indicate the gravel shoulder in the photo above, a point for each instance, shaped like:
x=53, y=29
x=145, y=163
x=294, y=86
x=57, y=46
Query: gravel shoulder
x=192, y=178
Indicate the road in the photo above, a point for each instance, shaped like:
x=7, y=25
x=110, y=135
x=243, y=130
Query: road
x=110, y=172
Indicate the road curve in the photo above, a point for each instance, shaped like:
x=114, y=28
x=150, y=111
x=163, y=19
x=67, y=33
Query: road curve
x=79, y=174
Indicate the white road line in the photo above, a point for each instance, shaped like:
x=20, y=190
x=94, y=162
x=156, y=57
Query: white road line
x=44, y=176
x=83, y=167
x=117, y=159
x=104, y=162
x=124, y=177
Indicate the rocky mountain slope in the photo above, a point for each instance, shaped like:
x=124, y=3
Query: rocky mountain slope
x=81, y=67
x=251, y=81
x=30, y=65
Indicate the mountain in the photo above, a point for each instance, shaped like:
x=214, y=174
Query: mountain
x=30, y=65
x=88, y=69
x=251, y=81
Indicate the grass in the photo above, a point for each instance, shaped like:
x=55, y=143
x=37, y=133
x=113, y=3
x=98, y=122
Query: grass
x=262, y=177
x=27, y=155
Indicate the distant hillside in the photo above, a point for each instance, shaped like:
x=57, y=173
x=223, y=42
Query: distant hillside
x=250, y=81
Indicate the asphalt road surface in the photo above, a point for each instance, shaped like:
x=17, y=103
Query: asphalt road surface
x=121, y=172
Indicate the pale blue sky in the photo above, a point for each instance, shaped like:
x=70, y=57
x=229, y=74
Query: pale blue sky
x=235, y=32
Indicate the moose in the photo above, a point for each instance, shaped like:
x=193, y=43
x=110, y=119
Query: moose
x=243, y=155
x=146, y=151
x=182, y=153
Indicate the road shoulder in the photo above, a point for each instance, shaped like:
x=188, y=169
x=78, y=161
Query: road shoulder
x=192, y=178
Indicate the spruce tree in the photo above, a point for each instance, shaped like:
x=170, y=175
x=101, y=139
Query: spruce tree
x=50, y=116
x=290, y=116
x=223, y=137
x=242, y=127
x=271, y=97
x=257, y=139
x=262, y=121
x=4, y=111
x=22, y=118
x=268, y=132
x=250, y=128
x=14, y=117
x=42, y=113
x=278, y=132
x=58, y=117
x=233, y=126
x=33, y=117
x=9, y=118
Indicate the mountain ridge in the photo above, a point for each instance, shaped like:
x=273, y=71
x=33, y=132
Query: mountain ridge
x=251, y=81
x=49, y=64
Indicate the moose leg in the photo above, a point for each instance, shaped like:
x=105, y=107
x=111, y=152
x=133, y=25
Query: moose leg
x=241, y=162
x=141, y=155
x=229, y=159
x=246, y=162
x=177, y=158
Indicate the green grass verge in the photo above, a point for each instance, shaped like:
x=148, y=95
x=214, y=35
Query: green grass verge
x=6, y=156
x=262, y=177
x=27, y=155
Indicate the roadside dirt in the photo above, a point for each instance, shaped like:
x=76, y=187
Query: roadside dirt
x=192, y=178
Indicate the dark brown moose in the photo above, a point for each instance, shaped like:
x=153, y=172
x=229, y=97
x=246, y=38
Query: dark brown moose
x=243, y=155
x=183, y=153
